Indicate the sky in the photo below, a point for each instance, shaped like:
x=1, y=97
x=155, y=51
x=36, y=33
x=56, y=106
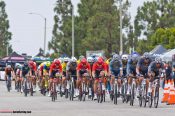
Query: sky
x=28, y=29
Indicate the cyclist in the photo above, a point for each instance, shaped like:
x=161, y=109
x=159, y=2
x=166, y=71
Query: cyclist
x=45, y=70
x=124, y=64
x=24, y=72
x=8, y=73
x=142, y=70
x=33, y=73
x=18, y=68
x=115, y=67
x=71, y=69
x=80, y=58
x=155, y=69
x=131, y=69
x=83, y=68
x=64, y=64
x=99, y=66
x=55, y=68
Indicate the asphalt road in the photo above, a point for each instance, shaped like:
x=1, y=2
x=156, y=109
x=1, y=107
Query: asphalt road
x=42, y=106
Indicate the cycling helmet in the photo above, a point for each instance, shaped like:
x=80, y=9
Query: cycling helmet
x=134, y=57
x=146, y=55
x=100, y=60
x=57, y=62
x=8, y=66
x=73, y=59
x=90, y=59
x=125, y=57
x=47, y=63
x=31, y=63
x=25, y=64
x=66, y=59
x=158, y=60
x=116, y=57
x=84, y=61
x=61, y=59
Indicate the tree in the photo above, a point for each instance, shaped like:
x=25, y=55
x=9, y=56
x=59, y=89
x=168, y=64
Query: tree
x=165, y=37
x=5, y=35
x=152, y=16
x=100, y=24
x=61, y=40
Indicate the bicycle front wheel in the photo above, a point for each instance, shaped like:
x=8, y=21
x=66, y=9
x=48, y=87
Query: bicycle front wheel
x=156, y=97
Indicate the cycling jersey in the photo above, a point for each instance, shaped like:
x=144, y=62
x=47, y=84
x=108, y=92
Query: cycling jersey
x=55, y=69
x=131, y=67
x=46, y=68
x=71, y=66
x=124, y=67
x=98, y=68
x=153, y=68
x=115, y=67
x=8, y=71
x=25, y=70
x=143, y=67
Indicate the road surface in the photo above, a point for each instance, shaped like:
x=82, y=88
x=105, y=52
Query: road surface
x=42, y=106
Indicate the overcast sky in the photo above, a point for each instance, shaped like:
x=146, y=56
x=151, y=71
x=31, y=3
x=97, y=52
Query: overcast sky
x=28, y=30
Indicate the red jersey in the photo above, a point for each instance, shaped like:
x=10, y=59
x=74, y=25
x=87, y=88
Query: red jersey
x=96, y=66
x=33, y=67
x=53, y=67
x=83, y=67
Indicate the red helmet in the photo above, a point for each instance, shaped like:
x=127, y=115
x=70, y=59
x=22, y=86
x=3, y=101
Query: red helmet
x=57, y=62
x=84, y=61
x=100, y=60
x=30, y=63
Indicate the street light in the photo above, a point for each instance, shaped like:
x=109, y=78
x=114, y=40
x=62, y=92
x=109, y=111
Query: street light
x=121, y=39
x=73, y=31
x=44, y=28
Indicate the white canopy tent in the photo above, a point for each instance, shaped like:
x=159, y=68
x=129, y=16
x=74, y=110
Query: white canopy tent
x=168, y=55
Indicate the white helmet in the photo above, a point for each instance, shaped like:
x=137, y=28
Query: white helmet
x=66, y=59
x=125, y=57
x=90, y=59
x=73, y=59
x=8, y=66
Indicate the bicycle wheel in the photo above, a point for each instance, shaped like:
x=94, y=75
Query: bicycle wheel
x=31, y=89
x=25, y=88
x=123, y=93
x=71, y=91
x=115, y=93
x=140, y=97
x=144, y=96
x=104, y=96
x=132, y=95
x=150, y=100
x=156, y=97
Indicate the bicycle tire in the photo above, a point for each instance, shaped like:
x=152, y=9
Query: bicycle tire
x=156, y=97
x=144, y=97
x=132, y=95
x=115, y=94
x=150, y=101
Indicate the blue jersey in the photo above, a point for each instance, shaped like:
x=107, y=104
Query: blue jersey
x=47, y=68
x=115, y=66
x=25, y=70
x=131, y=67
x=153, y=68
x=143, y=67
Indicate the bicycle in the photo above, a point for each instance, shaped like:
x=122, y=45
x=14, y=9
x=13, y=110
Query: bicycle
x=124, y=90
x=133, y=91
x=100, y=91
x=25, y=86
x=71, y=87
x=19, y=84
x=53, y=90
x=143, y=93
x=154, y=96
x=8, y=83
x=83, y=88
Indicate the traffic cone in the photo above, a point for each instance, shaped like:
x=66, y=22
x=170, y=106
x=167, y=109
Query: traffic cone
x=165, y=93
x=171, y=99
